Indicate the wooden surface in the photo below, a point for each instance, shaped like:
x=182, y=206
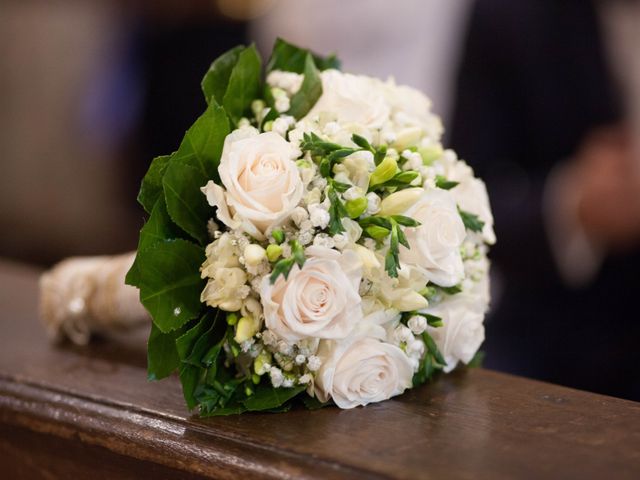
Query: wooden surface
x=68, y=412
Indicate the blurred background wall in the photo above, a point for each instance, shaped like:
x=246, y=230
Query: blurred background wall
x=92, y=90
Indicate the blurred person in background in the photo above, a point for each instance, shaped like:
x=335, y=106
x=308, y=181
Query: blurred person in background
x=548, y=113
x=90, y=92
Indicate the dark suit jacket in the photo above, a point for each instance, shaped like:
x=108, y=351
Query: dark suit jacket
x=532, y=82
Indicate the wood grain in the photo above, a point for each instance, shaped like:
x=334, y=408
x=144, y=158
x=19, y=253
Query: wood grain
x=68, y=411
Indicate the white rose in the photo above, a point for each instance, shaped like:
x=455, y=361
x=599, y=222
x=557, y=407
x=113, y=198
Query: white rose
x=352, y=98
x=361, y=371
x=435, y=244
x=470, y=193
x=410, y=107
x=462, y=331
x=262, y=183
x=320, y=300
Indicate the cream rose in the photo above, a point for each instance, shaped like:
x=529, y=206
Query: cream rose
x=320, y=300
x=462, y=331
x=261, y=180
x=409, y=107
x=352, y=99
x=470, y=193
x=361, y=371
x=435, y=244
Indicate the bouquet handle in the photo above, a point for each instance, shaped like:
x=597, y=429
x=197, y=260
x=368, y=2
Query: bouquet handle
x=81, y=296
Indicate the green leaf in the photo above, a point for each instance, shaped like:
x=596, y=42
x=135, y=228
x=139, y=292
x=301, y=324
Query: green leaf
x=290, y=58
x=190, y=378
x=305, y=98
x=202, y=144
x=471, y=221
x=266, y=398
x=185, y=343
x=405, y=221
x=186, y=204
x=244, y=84
x=451, y=290
x=234, y=409
x=151, y=187
x=336, y=213
x=133, y=275
x=392, y=260
x=312, y=403
x=170, y=282
x=215, y=334
x=361, y=142
x=443, y=183
x=162, y=356
x=433, y=320
x=191, y=167
x=159, y=227
x=477, y=360
x=214, y=84
x=433, y=348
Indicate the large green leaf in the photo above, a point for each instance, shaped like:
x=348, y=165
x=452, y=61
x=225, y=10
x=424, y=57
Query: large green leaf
x=266, y=398
x=170, y=282
x=185, y=342
x=291, y=58
x=310, y=91
x=244, y=84
x=191, y=167
x=159, y=227
x=189, y=378
x=186, y=204
x=162, y=356
x=214, y=84
x=202, y=144
x=151, y=187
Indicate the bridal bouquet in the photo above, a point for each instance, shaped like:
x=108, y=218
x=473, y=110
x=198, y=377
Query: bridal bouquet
x=310, y=240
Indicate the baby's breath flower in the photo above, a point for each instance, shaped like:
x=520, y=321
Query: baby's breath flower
x=269, y=338
x=288, y=382
x=277, y=378
x=319, y=215
x=298, y=215
x=324, y=240
x=313, y=363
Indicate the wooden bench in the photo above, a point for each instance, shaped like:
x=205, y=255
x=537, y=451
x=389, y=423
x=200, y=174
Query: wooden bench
x=69, y=412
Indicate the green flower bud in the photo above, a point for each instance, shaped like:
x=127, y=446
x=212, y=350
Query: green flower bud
x=383, y=172
x=263, y=359
x=232, y=318
x=356, y=207
x=273, y=252
x=278, y=236
x=268, y=126
x=376, y=232
x=302, y=163
x=246, y=328
x=257, y=106
x=430, y=154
